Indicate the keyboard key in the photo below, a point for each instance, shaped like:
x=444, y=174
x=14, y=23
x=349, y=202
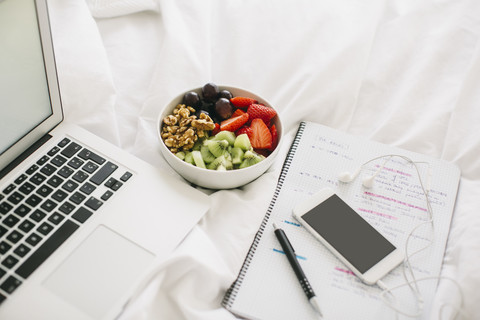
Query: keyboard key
x=2, y=297
x=37, y=178
x=80, y=176
x=60, y=195
x=48, y=169
x=77, y=198
x=33, y=239
x=87, y=188
x=66, y=207
x=116, y=186
x=27, y=188
x=126, y=176
x=53, y=151
x=21, y=250
x=3, y=231
x=93, y=203
x=5, y=207
x=71, y=150
x=55, y=181
x=70, y=186
x=10, y=284
x=103, y=173
x=15, y=198
x=56, y=218
x=38, y=215
x=58, y=161
x=75, y=163
x=21, y=178
x=4, y=247
x=48, y=205
x=32, y=169
x=44, y=190
x=47, y=248
x=9, y=262
x=9, y=189
x=110, y=182
x=65, y=172
x=106, y=195
x=10, y=220
x=26, y=226
x=63, y=143
x=82, y=214
x=90, y=167
x=45, y=228
x=14, y=236
x=86, y=154
x=33, y=200
x=43, y=160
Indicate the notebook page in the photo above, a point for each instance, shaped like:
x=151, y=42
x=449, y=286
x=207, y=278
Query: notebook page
x=394, y=206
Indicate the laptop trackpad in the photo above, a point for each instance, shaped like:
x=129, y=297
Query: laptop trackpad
x=99, y=271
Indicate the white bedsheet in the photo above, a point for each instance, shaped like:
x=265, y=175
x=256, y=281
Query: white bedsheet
x=405, y=73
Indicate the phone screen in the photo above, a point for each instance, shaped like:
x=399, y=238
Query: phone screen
x=346, y=231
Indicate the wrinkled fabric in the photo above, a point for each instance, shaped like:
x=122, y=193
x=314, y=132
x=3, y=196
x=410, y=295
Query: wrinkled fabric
x=404, y=73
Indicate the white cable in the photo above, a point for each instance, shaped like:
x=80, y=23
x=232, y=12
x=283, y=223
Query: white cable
x=413, y=283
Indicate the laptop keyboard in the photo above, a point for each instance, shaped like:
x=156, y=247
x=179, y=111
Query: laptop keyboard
x=47, y=203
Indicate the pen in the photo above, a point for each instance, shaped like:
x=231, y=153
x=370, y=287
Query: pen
x=292, y=259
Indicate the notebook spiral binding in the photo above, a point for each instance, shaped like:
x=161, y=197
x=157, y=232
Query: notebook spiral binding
x=231, y=293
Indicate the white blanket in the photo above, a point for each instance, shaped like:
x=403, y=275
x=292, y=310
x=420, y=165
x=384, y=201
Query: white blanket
x=405, y=73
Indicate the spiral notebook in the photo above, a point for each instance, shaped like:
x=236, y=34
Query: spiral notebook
x=266, y=287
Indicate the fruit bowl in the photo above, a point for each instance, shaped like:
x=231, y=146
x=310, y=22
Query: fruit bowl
x=225, y=175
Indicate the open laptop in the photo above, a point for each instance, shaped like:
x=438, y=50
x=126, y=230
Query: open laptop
x=81, y=221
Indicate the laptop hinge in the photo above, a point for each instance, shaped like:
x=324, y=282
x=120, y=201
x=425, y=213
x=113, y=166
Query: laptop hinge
x=12, y=165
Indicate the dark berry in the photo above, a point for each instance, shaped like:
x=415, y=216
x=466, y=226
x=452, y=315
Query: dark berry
x=210, y=92
x=223, y=108
x=191, y=99
x=225, y=94
x=200, y=111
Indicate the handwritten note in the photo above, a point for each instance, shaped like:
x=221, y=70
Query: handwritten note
x=267, y=288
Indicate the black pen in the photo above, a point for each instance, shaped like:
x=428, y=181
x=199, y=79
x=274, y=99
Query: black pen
x=292, y=259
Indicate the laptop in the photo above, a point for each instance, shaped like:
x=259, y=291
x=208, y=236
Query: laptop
x=82, y=223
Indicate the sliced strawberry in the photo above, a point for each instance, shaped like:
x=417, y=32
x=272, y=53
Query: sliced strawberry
x=242, y=102
x=245, y=129
x=261, y=136
x=233, y=124
x=273, y=131
x=216, y=129
x=261, y=112
x=237, y=113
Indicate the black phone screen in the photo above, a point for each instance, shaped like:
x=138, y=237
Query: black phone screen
x=346, y=231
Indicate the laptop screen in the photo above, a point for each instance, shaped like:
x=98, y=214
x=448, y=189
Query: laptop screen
x=24, y=97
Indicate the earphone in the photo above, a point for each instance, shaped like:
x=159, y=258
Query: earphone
x=368, y=182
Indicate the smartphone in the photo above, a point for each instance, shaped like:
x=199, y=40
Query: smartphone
x=348, y=236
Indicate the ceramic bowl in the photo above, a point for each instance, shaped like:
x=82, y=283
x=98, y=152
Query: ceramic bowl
x=213, y=179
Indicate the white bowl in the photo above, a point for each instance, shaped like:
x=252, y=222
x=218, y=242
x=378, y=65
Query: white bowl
x=213, y=179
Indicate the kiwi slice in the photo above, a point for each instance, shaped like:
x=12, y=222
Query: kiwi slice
x=216, y=163
x=249, y=159
x=206, y=154
x=217, y=147
x=180, y=155
x=189, y=157
x=237, y=155
x=242, y=142
x=226, y=135
x=220, y=161
x=197, y=158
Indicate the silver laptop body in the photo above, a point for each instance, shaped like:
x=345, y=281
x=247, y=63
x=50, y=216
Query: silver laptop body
x=81, y=221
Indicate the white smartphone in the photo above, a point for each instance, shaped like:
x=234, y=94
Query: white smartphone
x=351, y=238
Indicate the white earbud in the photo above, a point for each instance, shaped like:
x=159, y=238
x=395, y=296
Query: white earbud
x=368, y=181
x=347, y=176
